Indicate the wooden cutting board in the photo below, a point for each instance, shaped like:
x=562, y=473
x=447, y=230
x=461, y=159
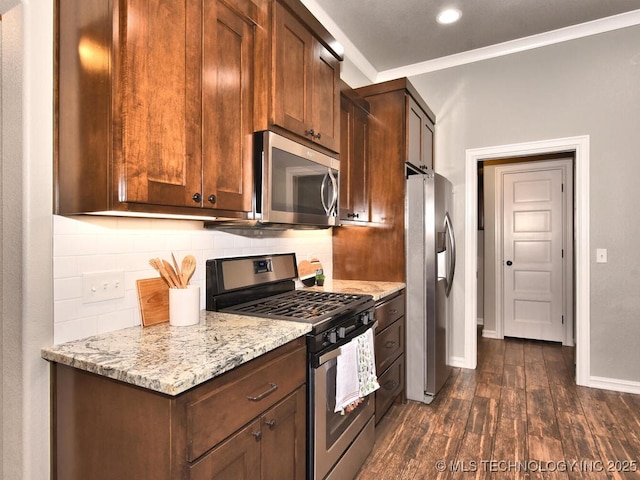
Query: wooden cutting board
x=153, y=294
x=308, y=268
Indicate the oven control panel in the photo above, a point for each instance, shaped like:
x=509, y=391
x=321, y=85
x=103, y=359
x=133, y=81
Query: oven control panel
x=263, y=265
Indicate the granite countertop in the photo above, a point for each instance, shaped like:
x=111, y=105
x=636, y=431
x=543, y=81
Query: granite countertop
x=172, y=360
x=377, y=289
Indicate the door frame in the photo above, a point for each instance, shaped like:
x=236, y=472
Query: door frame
x=580, y=146
x=567, y=274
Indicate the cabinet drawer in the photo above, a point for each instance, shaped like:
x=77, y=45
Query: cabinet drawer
x=215, y=415
x=388, y=312
x=391, y=385
x=389, y=344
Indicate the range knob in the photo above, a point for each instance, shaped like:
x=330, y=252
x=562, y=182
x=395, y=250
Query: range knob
x=342, y=332
x=366, y=318
x=331, y=336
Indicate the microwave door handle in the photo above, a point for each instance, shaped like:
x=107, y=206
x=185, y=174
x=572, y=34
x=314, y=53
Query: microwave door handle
x=322, y=190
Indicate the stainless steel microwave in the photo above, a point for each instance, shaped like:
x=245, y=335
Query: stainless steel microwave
x=294, y=184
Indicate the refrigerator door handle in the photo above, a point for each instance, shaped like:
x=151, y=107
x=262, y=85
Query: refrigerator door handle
x=452, y=257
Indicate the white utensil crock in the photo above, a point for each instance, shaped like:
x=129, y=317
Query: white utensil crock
x=184, y=306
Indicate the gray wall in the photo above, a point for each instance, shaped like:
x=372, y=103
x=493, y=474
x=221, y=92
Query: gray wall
x=589, y=86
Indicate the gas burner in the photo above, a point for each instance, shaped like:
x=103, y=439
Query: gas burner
x=300, y=305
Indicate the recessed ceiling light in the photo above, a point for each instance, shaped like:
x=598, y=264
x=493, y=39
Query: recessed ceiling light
x=450, y=15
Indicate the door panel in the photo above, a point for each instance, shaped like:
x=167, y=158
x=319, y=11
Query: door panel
x=159, y=95
x=533, y=232
x=227, y=108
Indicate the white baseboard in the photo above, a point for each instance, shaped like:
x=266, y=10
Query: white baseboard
x=489, y=333
x=457, y=362
x=614, y=384
x=480, y=321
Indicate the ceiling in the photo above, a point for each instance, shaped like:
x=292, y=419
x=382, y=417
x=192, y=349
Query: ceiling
x=392, y=34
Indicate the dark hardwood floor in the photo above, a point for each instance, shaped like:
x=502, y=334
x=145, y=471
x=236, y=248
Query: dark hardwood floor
x=520, y=408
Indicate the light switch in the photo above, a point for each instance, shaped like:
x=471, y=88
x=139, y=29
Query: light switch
x=99, y=286
x=601, y=255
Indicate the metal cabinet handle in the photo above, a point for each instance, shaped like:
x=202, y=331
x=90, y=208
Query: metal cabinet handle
x=257, y=435
x=393, y=312
x=390, y=344
x=509, y=263
x=197, y=197
x=270, y=423
x=212, y=199
x=311, y=133
x=272, y=388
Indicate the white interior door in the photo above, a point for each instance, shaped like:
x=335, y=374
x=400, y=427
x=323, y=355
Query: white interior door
x=532, y=261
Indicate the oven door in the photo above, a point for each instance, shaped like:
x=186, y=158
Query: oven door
x=333, y=433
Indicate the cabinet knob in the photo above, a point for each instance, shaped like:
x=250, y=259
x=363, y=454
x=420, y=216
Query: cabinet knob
x=353, y=215
x=257, y=435
x=270, y=423
x=311, y=133
x=318, y=136
x=197, y=197
x=212, y=199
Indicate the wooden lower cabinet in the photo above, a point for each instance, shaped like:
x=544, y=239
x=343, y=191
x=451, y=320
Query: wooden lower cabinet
x=391, y=386
x=271, y=447
x=389, y=344
x=247, y=423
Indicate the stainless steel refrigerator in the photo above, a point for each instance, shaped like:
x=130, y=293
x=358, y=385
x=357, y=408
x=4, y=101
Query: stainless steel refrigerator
x=430, y=265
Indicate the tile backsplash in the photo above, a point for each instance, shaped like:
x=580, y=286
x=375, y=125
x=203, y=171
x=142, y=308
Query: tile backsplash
x=96, y=244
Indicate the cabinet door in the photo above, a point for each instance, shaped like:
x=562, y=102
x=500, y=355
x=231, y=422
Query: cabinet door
x=227, y=105
x=420, y=132
x=354, y=171
x=238, y=458
x=306, y=83
x=158, y=95
x=284, y=439
x=293, y=72
x=325, y=98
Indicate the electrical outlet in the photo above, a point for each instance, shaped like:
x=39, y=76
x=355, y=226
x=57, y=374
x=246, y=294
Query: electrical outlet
x=99, y=286
x=601, y=255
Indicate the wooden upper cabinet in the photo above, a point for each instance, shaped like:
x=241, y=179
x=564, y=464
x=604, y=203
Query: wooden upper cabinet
x=231, y=43
x=306, y=76
x=420, y=135
x=354, y=166
x=155, y=105
x=400, y=129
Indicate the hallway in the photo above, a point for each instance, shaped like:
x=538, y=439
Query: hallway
x=520, y=408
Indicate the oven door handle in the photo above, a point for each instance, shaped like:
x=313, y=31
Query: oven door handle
x=335, y=353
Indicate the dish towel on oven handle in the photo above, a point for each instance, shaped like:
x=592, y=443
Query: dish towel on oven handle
x=347, y=384
x=355, y=372
x=367, y=378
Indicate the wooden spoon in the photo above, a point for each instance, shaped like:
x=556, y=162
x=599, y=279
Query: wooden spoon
x=188, y=267
x=156, y=263
x=178, y=274
x=172, y=274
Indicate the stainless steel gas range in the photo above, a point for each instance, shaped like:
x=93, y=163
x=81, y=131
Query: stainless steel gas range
x=264, y=286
